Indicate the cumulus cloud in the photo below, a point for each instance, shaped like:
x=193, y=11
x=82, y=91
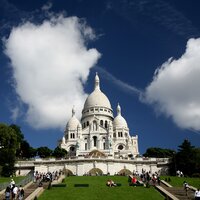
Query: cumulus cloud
x=174, y=90
x=51, y=62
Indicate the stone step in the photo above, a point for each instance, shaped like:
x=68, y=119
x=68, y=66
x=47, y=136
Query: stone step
x=180, y=193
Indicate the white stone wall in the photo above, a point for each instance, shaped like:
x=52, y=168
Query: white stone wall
x=83, y=166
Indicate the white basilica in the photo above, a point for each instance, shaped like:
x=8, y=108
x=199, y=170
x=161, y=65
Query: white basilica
x=97, y=144
x=98, y=129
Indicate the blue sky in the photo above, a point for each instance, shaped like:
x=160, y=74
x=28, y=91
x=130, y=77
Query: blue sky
x=50, y=52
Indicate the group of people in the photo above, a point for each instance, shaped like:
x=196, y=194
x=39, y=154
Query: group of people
x=13, y=192
x=46, y=177
x=179, y=173
x=148, y=177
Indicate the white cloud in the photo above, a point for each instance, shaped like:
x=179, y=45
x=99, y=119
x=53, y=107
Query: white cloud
x=175, y=91
x=47, y=6
x=51, y=63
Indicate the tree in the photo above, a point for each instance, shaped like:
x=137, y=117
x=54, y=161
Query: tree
x=8, y=146
x=155, y=152
x=33, y=152
x=26, y=151
x=185, y=158
x=197, y=162
x=59, y=152
x=44, y=152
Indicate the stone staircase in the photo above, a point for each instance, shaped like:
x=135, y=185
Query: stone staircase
x=29, y=189
x=179, y=192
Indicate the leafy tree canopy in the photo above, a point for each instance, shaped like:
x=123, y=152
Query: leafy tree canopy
x=155, y=152
x=44, y=152
x=59, y=152
x=8, y=146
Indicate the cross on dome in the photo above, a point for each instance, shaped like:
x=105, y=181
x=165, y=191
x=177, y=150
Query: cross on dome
x=73, y=111
x=97, y=82
x=118, y=109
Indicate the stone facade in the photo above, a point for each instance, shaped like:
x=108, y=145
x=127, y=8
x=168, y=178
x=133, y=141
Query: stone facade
x=98, y=129
x=99, y=141
x=82, y=166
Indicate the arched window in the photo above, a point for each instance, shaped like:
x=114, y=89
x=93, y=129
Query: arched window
x=106, y=124
x=85, y=146
x=87, y=123
x=114, y=135
x=104, y=145
x=95, y=141
x=72, y=135
x=120, y=134
x=101, y=122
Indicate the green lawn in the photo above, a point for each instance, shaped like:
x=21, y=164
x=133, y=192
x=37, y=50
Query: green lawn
x=98, y=190
x=8, y=179
x=178, y=181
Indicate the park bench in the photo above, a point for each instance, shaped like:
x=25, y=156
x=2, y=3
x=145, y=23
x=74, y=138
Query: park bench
x=59, y=185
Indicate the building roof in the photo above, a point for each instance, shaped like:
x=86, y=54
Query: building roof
x=97, y=97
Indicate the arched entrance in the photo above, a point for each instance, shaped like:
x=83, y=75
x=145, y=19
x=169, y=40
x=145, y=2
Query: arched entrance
x=68, y=172
x=95, y=172
x=124, y=172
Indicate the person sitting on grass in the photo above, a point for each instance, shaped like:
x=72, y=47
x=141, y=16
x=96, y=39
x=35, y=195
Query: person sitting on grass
x=134, y=180
x=111, y=183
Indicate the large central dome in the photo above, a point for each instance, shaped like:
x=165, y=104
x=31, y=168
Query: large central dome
x=97, y=98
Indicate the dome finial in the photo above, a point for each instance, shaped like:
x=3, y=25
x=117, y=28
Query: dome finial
x=118, y=109
x=96, y=85
x=73, y=111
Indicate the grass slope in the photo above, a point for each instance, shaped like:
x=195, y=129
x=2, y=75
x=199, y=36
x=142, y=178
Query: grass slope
x=8, y=179
x=98, y=190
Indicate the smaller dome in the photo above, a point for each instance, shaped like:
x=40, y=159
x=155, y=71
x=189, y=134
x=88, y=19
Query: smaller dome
x=73, y=123
x=119, y=121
